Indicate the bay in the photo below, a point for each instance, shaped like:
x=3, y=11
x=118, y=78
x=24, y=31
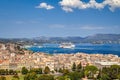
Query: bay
x=84, y=48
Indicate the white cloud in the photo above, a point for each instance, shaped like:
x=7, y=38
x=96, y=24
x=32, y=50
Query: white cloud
x=113, y=4
x=45, y=6
x=91, y=28
x=67, y=9
x=69, y=5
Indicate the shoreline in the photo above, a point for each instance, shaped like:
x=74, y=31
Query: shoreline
x=13, y=57
x=90, y=49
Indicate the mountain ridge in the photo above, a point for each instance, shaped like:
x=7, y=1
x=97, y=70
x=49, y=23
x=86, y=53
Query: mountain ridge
x=97, y=38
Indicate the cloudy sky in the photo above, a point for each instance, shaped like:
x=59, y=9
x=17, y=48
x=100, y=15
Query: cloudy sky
x=34, y=18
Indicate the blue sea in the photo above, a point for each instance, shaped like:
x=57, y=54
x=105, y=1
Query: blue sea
x=85, y=48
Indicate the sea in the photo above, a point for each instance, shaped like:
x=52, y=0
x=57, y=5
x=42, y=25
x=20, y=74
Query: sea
x=82, y=47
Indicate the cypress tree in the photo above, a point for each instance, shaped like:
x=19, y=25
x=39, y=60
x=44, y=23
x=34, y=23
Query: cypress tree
x=74, y=67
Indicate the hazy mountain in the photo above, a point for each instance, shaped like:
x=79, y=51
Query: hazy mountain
x=97, y=38
x=104, y=37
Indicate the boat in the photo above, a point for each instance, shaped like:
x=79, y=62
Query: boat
x=27, y=46
x=39, y=46
x=67, y=45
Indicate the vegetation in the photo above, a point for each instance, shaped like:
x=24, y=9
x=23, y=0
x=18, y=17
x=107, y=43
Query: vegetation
x=74, y=67
x=79, y=67
x=46, y=77
x=47, y=70
x=7, y=72
x=90, y=72
x=2, y=78
x=24, y=70
x=30, y=76
x=15, y=77
x=36, y=70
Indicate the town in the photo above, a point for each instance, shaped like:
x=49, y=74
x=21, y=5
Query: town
x=13, y=57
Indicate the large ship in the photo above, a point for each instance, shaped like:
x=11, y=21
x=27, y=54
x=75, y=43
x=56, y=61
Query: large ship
x=67, y=45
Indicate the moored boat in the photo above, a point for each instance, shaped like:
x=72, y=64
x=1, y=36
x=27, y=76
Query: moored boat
x=67, y=45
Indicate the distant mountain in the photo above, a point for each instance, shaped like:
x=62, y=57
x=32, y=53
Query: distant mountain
x=104, y=37
x=66, y=39
x=96, y=39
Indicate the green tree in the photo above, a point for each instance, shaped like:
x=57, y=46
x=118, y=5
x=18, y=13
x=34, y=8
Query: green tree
x=118, y=76
x=114, y=71
x=79, y=67
x=36, y=70
x=63, y=78
x=24, y=70
x=15, y=77
x=65, y=71
x=105, y=77
x=74, y=67
x=2, y=78
x=91, y=70
x=46, y=77
x=12, y=72
x=75, y=75
x=99, y=74
x=7, y=72
x=60, y=70
x=60, y=78
x=30, y=76
x=2, y=72
x=47, y=70
x=39, y=71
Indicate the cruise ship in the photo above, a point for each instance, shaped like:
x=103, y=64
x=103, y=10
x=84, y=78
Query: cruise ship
x=67, y=45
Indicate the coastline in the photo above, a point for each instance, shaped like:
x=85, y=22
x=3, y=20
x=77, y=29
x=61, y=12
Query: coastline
x=81, y=48
x=12, y=57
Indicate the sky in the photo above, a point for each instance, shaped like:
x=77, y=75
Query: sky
x=58, y=18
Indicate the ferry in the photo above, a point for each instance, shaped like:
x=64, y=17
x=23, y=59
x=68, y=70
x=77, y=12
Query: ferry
x=67, y=45
x=27, y=46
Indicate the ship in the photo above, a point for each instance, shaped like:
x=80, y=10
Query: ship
x=67, y=45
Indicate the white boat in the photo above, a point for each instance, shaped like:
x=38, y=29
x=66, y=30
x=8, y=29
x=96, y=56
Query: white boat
x=27, y=46
x=67, y=45
x=39, y=46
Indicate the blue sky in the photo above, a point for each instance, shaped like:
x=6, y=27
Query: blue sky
x=34, y=18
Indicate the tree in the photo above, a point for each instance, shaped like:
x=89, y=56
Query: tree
x=74, y=67
x=99, y=74
x=11, y=72
x=60, y=70
x=30, y=76
x=65, y=71
x=91, y=70
x=24, y=70
x=118, y=76
x=15, y=77
x=47, y=70
x=36, y=70
x=39, y=71
x=105, y=77
x=2, y=78
x=7, y=72
x=63, y=78
x=114, y=71
x=46, y=77
x=60, y=78
x=75, y=75
x=2, y=72
x=79, y=67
